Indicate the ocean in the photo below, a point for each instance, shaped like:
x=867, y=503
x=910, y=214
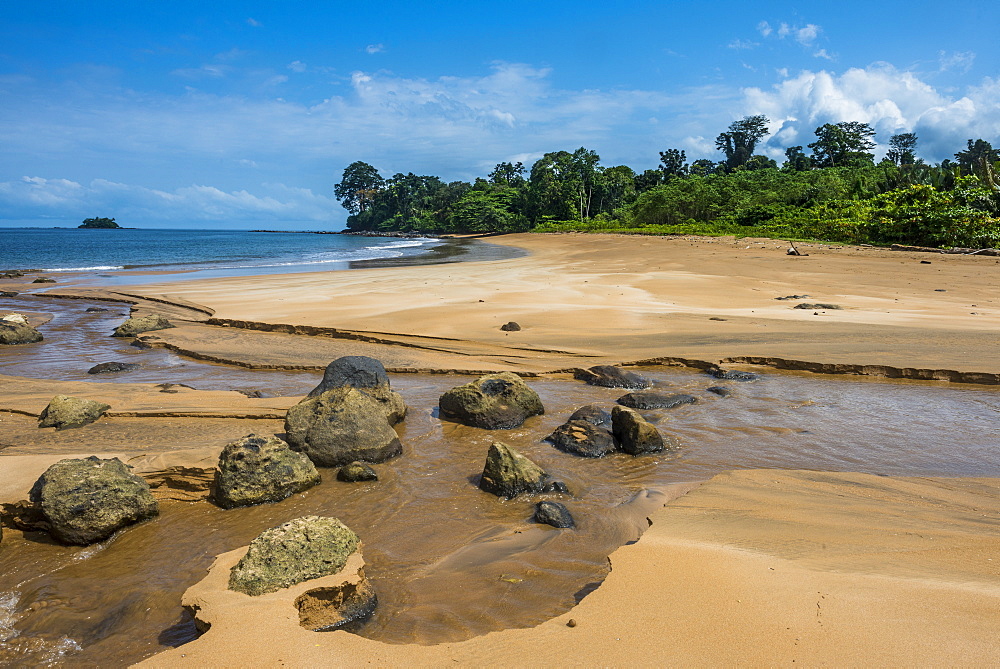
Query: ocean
x=195, y=253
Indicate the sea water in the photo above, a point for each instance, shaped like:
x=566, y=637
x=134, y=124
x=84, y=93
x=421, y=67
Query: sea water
x=196, y=253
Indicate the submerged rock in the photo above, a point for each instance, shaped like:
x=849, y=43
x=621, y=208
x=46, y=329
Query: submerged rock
x=817, y=305
x=44, y=279
x=594, y=415
x=651, y=399
x=580, y=437
x=17, y=331
x=65, y=412
x=8, y=293
x=635, y=434
x=87, y=500
x=356, y=472
x=340, y=426
x=721, y=391
x=609, y=376
x=493, y=402
x=96, y=310
x=553, y=513
x=256, y=469
x=109, y=367
x=731, y=374
x=508, y=474
x=299, y=550
x=137, y=325
x=367, y=375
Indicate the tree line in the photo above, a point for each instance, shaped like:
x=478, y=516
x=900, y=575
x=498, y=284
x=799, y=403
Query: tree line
x=835, y=192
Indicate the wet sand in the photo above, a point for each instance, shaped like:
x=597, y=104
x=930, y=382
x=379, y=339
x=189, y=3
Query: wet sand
x=761, y=567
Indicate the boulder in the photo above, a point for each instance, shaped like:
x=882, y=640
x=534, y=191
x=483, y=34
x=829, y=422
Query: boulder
x=731, y=375
x=580, y=437
x=87, y=500
x=721, y=391
x=15, y=319
x=8, y=293
x=137, y=325
x=65, y=412
x=327, y=608
x=299, y=550
x=110, y=367
x=650, y=399
x=44, y=279
x=635, y=434
x=340, y=426
x=510, y=326
x=507, y=474
x=554, y=514
x=609, y=376
x=493, y=402
x=95, y=310
x=593, y=414
x=13, y=332
x=257, y=469
x=817, y=305
x=356, y=472
x=367, y=375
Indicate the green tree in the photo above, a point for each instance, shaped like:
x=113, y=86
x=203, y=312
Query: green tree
x=740, y=141
x=105, y=223
x=561, y=185
x=673, y=163
x=796, y=160
x=843, y=145
x=975, y=155
x=902, y=148
x=508, y=174
x=358, y=187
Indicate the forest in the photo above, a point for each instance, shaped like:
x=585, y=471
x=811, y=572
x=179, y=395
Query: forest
x=831, y=190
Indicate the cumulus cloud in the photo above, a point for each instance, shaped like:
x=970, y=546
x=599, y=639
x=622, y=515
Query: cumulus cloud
x=890, y=100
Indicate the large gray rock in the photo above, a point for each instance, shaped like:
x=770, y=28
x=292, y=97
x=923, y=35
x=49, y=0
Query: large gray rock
x=340, y=426
x=367, y=375
x=256, y=469
x=493, y=402
x=583, y=438
x=651, y=399
x=14, y=329
x=635, y=434
x=87, y=500
x=299, y=550
x=508, y=474
x=137, y=325
x=64, y=412
x=609, y=376
x=731, y=374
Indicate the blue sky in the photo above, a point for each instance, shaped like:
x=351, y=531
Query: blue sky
x=244, y=114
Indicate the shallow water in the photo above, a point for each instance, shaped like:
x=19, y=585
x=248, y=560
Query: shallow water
x=447, y=560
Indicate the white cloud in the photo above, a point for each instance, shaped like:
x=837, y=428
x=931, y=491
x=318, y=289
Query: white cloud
x=254, y=22
x=375, y=48
x=956, y=60
x=822, y=53
x=807, y=34
x=297, y=66
x=764, y=28
x=742, y=44
x=889, y=99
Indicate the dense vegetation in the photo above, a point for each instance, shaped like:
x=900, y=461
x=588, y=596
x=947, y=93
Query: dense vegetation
x=98, y=223
x=835, y=192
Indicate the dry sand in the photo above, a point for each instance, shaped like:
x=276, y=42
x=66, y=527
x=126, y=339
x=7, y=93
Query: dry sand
x=762, y=567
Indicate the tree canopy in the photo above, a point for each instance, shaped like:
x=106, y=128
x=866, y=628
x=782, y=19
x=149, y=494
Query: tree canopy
x=105, y=223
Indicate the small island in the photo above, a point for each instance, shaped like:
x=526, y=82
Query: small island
x=103, y=223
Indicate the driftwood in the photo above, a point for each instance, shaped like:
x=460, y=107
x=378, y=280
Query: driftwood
x=954, y=251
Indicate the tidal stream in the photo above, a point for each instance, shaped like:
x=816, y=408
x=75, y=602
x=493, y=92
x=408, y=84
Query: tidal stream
x=449, y=561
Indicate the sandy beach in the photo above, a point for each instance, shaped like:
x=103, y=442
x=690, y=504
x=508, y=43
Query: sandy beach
x=758, y=567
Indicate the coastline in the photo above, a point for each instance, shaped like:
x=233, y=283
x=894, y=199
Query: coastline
x=610, y=299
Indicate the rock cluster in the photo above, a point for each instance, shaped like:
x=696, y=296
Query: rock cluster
x=299, y=550
x=137, y=325
x=65, y=412
x=508, y=474
x=256, y=469
x=591, y=432
x=87, y=500
x=493, y=402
